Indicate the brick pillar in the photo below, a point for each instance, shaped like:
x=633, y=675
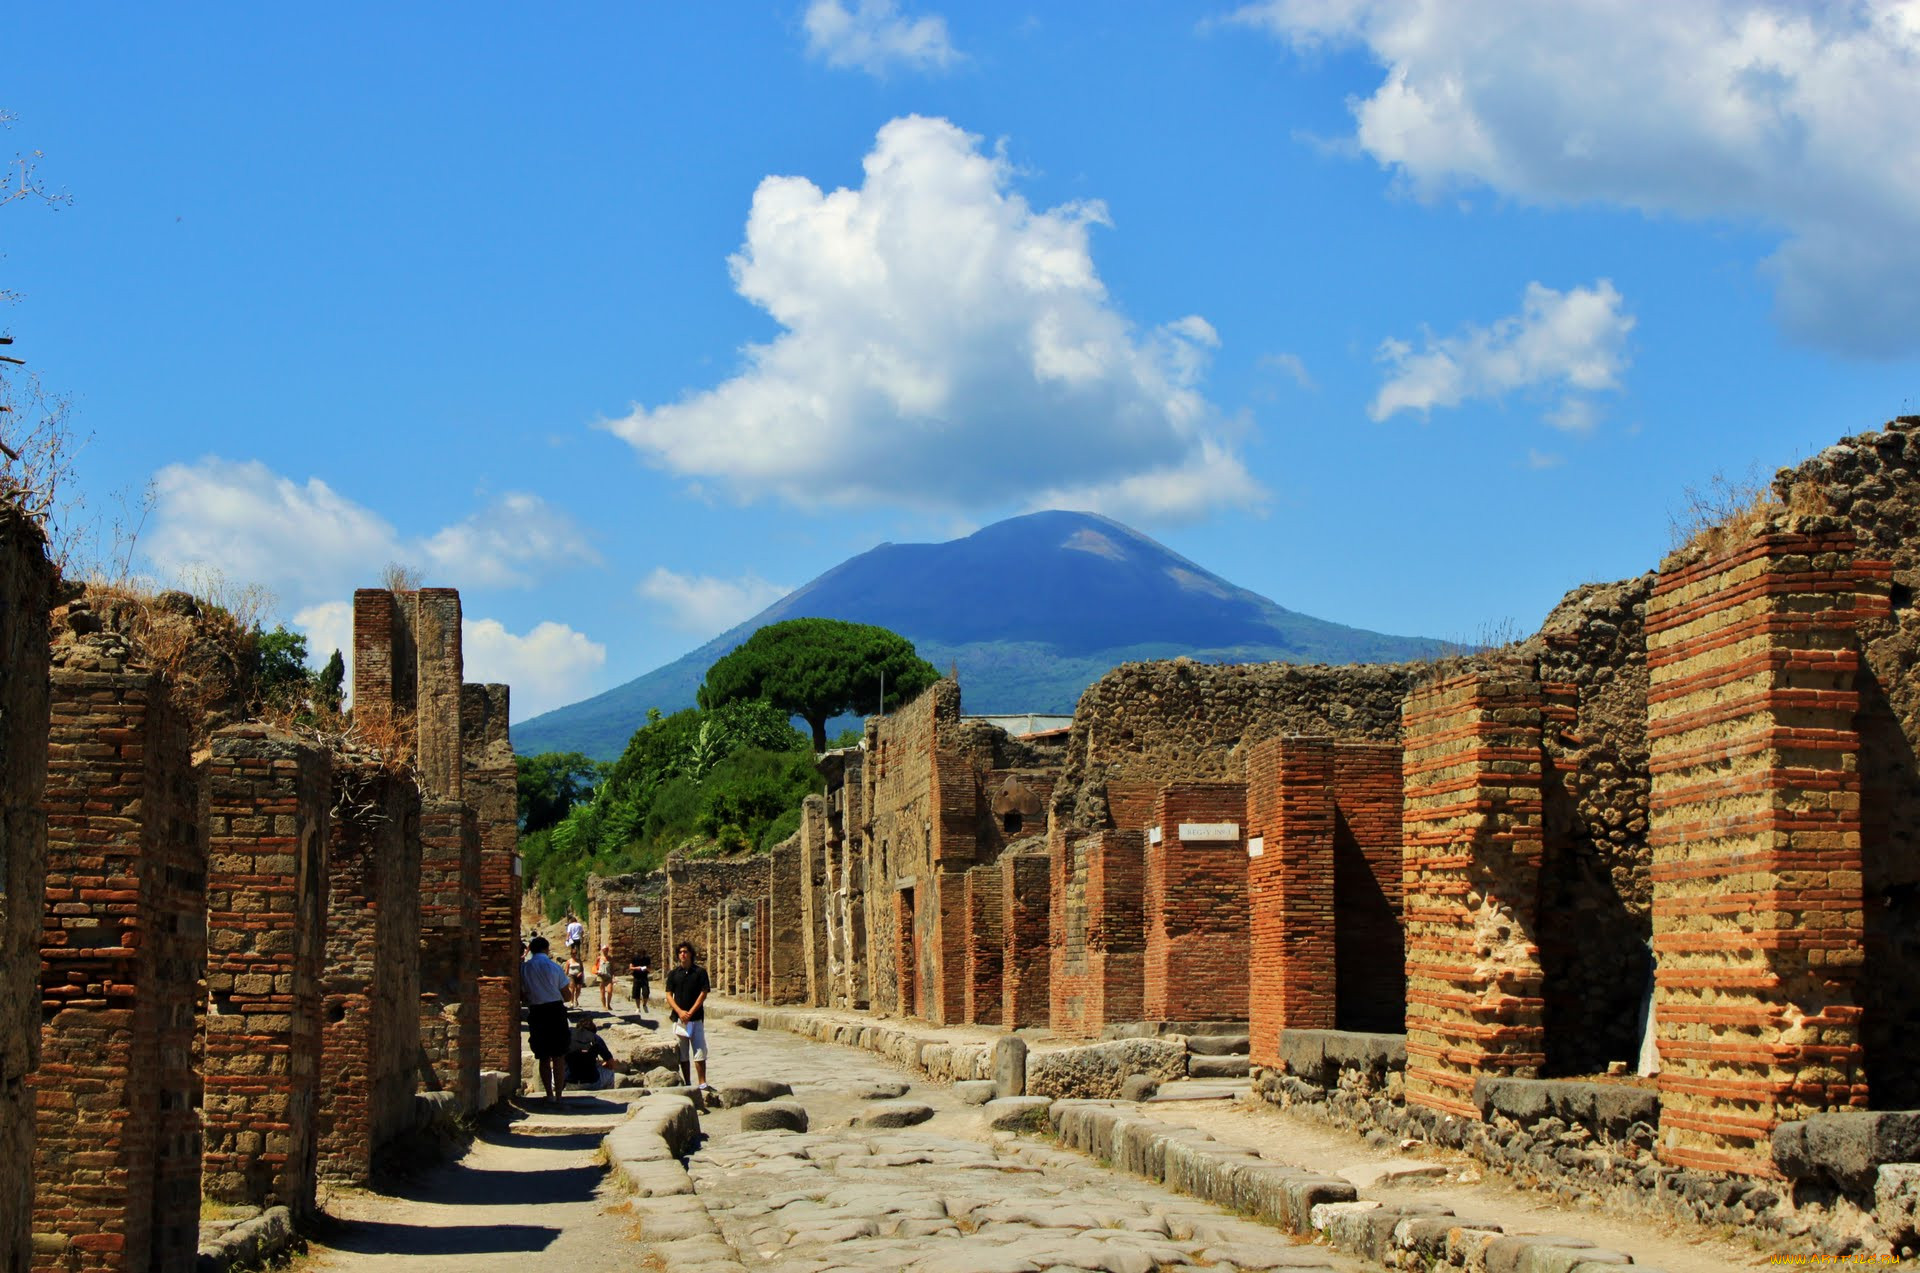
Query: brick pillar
x=489, y=783
x=813, y=900
x=25, y=581
x=118, y=1154
x=1290, y=890
x=986, y=943
x=1757, y=916
x=1024, y=972
x=265, y=796
x=370, y=985
x=383, y=662
x=948, y=1004
x=436, y=637
x=787, y=923
x=1116, y=928
x=763, y=945
x=1196, y=905
x=449, y=950
x=1472, y=868
x=1369, y=943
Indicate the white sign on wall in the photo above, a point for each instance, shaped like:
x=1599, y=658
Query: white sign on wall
x=1215, y=831
x=1256, y=846
x=1153, y=835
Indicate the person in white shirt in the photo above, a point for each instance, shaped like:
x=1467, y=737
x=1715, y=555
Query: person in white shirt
x=576, y=933
x=543, y=984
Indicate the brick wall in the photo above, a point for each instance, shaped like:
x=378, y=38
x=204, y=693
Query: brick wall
x=1290, y=890
x=986, y=943
x=117, y=1162
x=25, y=580
x=370, y=983
x=813, y=901
x=489, y=782
x=1370, y=970
x=449, y=948
x=1101, y=980
x=1758, y=925
x=1195, y=909
x=1025, y=924
x=265, y=800
x=1472, y=845
x=436, y=640
x=787, y=920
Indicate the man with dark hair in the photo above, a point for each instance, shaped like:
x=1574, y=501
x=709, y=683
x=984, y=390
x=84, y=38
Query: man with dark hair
x=687, y=987
x=543, y=984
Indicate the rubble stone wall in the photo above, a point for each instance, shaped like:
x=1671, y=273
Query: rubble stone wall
x=265, y=799
x=117, y=1163
x=786, y=922
x=26, y=579
x=370, y=983
x=696, y=888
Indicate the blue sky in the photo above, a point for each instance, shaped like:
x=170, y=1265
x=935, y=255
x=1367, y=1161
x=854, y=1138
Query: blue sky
x=1406, y=314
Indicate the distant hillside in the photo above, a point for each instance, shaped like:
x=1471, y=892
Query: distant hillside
x=1031, y=610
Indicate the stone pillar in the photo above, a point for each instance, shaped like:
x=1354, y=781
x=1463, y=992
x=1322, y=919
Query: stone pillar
x=489, y=783
x=1757, y=915
x=26, y=579
x=370, y=985
x=1196, y=905
x=763, y=949
x=813, y=899
x=117, y=1162
x=1290, y=890
x=986, y=942
x=436, y=637
x=265, y=796
x=449, y=950
x=1473, y=839
x=1024, y=970
x=787, y=923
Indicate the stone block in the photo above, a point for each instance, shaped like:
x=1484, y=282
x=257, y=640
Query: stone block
x=786, y=1116
x=1010, y=1066
x=973, y=1091
x=1847, y=1148
x=1017, y=1113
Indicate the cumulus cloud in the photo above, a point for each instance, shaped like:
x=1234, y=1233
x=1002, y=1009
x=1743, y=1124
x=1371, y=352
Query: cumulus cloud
x=706, y=604
x=1572, y=343
x=308, y=542
x=874, y=37
x=1793, y=116
x=328, y=627
x=548, y=667
x=944, y=346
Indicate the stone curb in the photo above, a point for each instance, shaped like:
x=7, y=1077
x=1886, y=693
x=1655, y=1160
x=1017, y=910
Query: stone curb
x=644, y=1153
x=254, y=1242
x=1310, y=1205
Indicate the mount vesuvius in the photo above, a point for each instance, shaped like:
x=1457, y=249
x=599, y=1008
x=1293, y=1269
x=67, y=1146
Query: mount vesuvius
x=1031, y=610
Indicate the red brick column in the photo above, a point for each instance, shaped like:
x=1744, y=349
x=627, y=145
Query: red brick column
x=1756, y=838
x=1290, y=895
x=25, y=581
x=370, y=986
x=986, y=944
x=450, y=950
x=1023, y=973
x=490, y=783
x=1196, y=962
x=1473, y=838
x=118, y=1159
x=1370, y=940
x=266, y=798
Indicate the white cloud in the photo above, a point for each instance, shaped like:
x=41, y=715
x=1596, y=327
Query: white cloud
x=1572, y=342
x=1794, y=116
x=1290, y=365
x=549, y=667
x=875, y=38
x=309, y=543
x=945, y=346
x=706, y=604
x=329, y=627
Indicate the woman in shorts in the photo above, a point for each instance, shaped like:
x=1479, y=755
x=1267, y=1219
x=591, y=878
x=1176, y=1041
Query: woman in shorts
x=603, y=977
x=576, y=980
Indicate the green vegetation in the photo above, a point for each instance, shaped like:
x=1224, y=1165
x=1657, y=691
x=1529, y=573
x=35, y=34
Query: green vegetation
x=817, y=669
x=725, y=780
x=281, y=680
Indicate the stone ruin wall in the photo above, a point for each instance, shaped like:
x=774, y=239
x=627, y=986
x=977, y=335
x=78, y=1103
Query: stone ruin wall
x=26, y=581
x=697, y=888
x=608, y=924
x=490, y=784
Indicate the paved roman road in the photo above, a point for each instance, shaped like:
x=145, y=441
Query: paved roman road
x=945, y=1194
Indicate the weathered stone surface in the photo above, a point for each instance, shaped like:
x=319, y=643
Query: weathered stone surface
x=750, y=1090
x=882, y=1091
x=974, y=1091
x=1138, y=1087
x=1017, y=1113
x=1010, y=1066
x=1847, y=1148
x=1217, y=1067
x=1098, y=1070
x=788, y=1116
x=893, y=1114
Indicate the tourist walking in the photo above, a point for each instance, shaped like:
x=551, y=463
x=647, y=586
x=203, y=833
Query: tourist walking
x=576, y=933
x=642, y=969
x=603, y=977
x=576, y=979
x=687, y=987
x=543, y=984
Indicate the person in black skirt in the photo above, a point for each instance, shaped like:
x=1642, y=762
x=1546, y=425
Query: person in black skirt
x=544, y=985
x=642, y=969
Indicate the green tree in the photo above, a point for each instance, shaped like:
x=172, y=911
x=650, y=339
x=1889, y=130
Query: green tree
x=817, y=669
x=281, y=674
x=330, y=683
x=550, y=784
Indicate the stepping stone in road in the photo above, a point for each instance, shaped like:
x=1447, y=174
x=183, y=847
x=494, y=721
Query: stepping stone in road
x=879, y=1091
x=774, y=1116
x=751, y=1091
x=974, y=1091
x=893, y=1114
x=1017, y=1113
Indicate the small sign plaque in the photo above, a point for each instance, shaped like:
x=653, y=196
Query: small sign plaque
x=1256, y=846
x=1210, y=831
x=631, y=910
x=1153, y=835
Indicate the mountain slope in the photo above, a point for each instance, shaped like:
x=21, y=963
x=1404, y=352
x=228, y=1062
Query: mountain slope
x=1031, y=611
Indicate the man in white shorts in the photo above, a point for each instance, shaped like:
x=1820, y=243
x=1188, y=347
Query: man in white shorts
x=687, y=987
